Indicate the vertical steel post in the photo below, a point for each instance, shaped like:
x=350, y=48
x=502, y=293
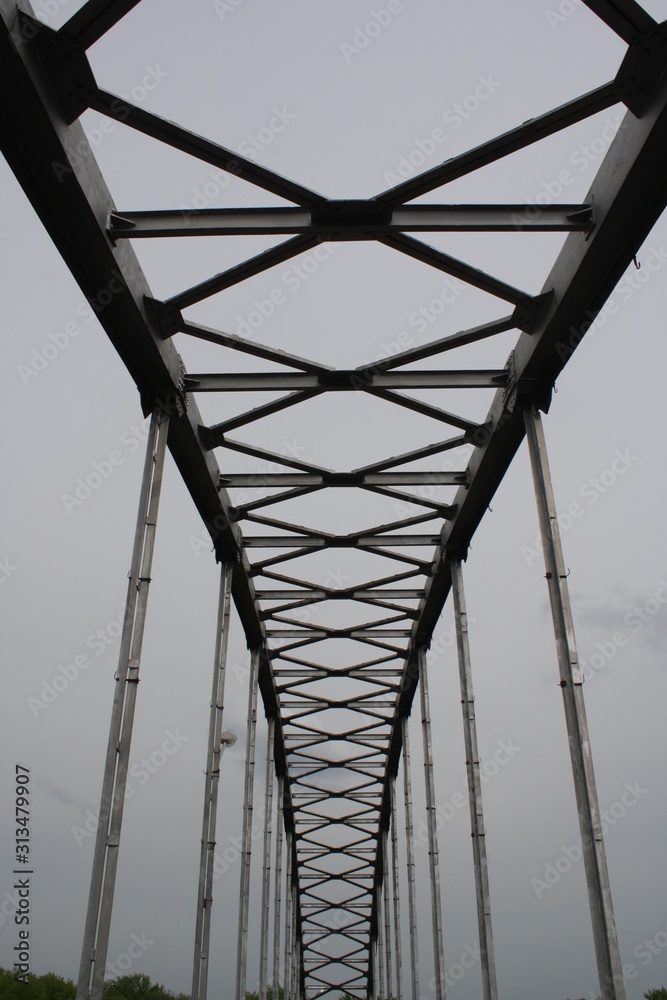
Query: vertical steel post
x=266, y=867
x=107, y=841
x=380, y=940
x=387, y=911
x=396, y=891
x=213, y=759
x=372, y=969
x=294, y=973
x=432, y=827
x=410, y=849
x=487, y=958
x=298, y=952
x=595, y=862
x=288, y=917
x=278, y=890
x=244, y=894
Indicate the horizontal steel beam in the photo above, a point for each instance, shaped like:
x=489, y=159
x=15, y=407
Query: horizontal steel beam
x=354, y=220
x=341, y=479
x=340, y=595
x=345, y=380
x=340, y=542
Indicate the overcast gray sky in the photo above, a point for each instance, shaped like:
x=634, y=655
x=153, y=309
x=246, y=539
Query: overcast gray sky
x=345, y=120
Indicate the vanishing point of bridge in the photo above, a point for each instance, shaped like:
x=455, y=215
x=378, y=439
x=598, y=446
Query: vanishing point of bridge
x=337, y=667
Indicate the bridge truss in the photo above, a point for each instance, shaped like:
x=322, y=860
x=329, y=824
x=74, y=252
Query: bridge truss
x=337, y=723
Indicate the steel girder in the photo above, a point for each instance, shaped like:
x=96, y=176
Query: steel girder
x=338, y=766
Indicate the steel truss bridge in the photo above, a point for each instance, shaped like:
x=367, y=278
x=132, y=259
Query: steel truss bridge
x=337, y=734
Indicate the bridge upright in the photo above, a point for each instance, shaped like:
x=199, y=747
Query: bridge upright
x=337, y=665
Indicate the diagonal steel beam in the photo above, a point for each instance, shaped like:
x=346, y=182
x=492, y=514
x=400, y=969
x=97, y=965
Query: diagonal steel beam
x=510, y=142
x=627, y=18
x=241, y=272
x=457, y=268
x=173, y=135
x=450, y=343
x=250, y=347
x=94, y=19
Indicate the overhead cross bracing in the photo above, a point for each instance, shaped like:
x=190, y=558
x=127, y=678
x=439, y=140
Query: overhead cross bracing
x=337, y=745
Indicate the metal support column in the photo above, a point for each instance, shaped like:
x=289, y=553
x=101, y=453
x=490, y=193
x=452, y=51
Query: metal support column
x=431, y=823
x=278, y=889
x=487, y=958
x=595, y=862
x=107, y=842
x=387, y=911
x=410, y=849
x=266, y=867
x=372, y=970
x=298, y=956
x=294, y=972
x=288, y=917
x=396, y=891
x=380, y=941
x=244, y=894
x=216, y=747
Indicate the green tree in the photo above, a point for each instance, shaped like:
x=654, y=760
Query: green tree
x=657, y=994
x=46, y=987
x=138, y=987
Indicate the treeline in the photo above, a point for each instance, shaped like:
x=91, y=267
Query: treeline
x=137, y=987
x=52, y=987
